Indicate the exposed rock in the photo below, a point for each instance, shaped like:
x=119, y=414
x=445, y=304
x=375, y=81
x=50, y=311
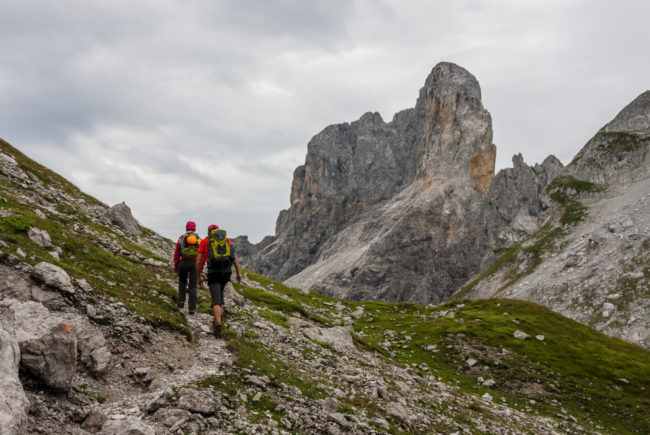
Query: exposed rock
x=94, y=421
x=53, y=276
x=50, y=355
x=13, y=402
x=120, y=215
x=591, y=273
x=339, y=337
x=40, y=237
x=521, y=335
x=198, y=401
x=128, y=426
x=171, y=416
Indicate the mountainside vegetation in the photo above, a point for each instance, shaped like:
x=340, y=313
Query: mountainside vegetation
x=294, y=361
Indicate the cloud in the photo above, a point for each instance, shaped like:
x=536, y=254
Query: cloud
x=203, y=109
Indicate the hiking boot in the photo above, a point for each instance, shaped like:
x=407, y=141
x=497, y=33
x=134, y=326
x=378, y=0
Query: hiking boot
x=180, y=305
x=191, y=312
x=217, y=330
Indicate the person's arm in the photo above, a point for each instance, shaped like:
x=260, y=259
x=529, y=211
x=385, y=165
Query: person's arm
x=177, y=258
x=236, y=263
x=199, y=269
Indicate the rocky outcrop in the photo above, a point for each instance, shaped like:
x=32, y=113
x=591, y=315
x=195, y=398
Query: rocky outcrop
x=13, y=402
x=53, y=276
x=398, y=211
x=619, y=152
x=511, y=210
x=592, y=269
x=120, y=215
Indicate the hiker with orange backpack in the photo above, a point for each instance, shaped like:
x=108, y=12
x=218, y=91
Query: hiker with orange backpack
x=185, y=254
x=218, y=252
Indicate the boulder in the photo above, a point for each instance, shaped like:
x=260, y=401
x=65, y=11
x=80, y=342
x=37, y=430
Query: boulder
x=47, y=349
x=120, y=215
x=40, y=237
x=339, y=337
x=94, y=421
x=53, y=276
x=51, y=356
x=171, y=416
x=201, y=401
x=13, y=402
x=128, y=426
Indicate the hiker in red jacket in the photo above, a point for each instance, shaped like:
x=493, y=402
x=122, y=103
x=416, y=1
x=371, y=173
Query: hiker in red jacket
x=218, y=252
x=185, y=254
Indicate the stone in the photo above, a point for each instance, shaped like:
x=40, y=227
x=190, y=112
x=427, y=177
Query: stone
x=171, y=416
x=13, y=401
x=201, y=401
x=94, y=421
x=396, y=410
x=127, y=426
x=487, y=396
x=53, y=276
x=489, y=383
x=40, y=237
x=521, y=335
x=338, y=336
x=330, y=404
x=539, y=337
x=51, y=356
x=471, y=362
x=120, y=215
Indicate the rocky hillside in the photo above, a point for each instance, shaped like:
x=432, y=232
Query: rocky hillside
x=91, y=342
x=590, y=258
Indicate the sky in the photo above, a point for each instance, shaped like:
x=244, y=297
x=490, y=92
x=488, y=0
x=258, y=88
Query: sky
x=201, y=109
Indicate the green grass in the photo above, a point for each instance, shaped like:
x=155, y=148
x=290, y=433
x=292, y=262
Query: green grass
x=123, y=279
x=252, y=355
x=575, y=365
x=276, y=302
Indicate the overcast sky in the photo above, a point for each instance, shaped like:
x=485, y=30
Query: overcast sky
x=202, y=109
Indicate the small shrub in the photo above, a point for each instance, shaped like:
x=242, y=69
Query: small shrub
x=17, y=223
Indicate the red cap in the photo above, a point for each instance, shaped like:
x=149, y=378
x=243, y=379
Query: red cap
x=213, y=227
x=190, y=226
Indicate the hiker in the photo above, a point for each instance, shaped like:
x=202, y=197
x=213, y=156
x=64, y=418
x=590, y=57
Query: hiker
x=218, y=252
x=185, y=254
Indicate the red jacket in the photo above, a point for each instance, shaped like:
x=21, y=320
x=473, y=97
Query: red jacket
x=203, y=249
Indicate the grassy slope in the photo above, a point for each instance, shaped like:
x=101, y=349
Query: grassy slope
x=602, y=381
x=124, y=278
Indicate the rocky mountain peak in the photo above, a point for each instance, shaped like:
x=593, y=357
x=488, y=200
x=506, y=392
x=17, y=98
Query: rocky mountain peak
x=634, y=118
x=453, y=130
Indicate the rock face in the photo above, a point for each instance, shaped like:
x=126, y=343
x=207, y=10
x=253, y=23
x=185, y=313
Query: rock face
x=13, y=402
x=48, y=347
x=120, y=215
x=594, y=270
x=395, y=211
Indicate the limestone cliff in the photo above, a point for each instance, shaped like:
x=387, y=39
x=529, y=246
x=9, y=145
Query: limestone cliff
x=590, y=260
x=380, y=210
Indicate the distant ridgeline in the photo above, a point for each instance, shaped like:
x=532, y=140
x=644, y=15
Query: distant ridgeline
x=411, y=210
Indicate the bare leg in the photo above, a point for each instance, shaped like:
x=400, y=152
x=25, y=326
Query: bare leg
x=216, y=310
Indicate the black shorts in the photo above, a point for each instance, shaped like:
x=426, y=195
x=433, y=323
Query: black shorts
x=217, y=284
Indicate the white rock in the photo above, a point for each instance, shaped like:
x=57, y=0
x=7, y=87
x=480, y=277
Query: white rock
x=40, y=237
x=487, y=396
x=540, y=337
x=471, y=362
x=53, y=276
x=521, y=335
